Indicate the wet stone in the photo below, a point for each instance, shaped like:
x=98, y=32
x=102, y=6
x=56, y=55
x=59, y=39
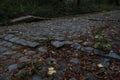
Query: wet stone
x=113, y=55
x=87, y=49
x=68, y=42
x=51, y=61
x=24, y=59
x=8, y=36
x=57, y=44
x=3, y=57
x=2, y=36
x=76, y=46
x=75, y=60
x=21, y=42
x=37, y=55
x=88, y=43
x=3, y=42
x=33, y=44
x=3, y=49
x=73, y=78
x=106, y=62
x=99, y=52
x=1, y=68
x=16, y=55
x=45, y=79
x=36, y=77
x=42, y=49
x=14, y=47
x=14, y=39
x=12, y=67
x=8, y=44
x=59, y=38
x=76, y=68
x=59, y=75
x=90, y=76
x=44, y=68
x=62, y=64
x=30, y=52
x=8, y=53
x=8, y=62
x=5, y=76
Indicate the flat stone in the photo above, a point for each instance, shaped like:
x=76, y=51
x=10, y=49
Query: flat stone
x=5, y=76
x=3, y=42
x=75, y=60
x=24, y=59
x=8, y=36
x=30, y=52
x=77, y=41
x=8, y=53
x=3, y=49
x=8, y=62
x=68, y=42
x=27, y=18
x=42, y=49
x=88, y=43
x=59, y=38
x=113, y=55
x=72, y=78
x=1, y=68
x=3, y=57
x=8, y=44
x=37, y=55
x=12, y=67
x=99, y=52
x=33, y=44
x=87, y=49
x=14, y=39
x=57, y=44
x=44, y=68
x=106, y=62
x=90, y=76
x=76, y=46
x=2, y=36
x=62, y=65
x=21, y=42
x=59, y=75
x=16, y=55
x=51, y=61
x=36, y=77
x=14, y=47
x=76, y=68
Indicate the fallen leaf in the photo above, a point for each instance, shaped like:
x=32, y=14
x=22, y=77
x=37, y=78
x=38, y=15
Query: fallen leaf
x=51, y=71
x=100, y=65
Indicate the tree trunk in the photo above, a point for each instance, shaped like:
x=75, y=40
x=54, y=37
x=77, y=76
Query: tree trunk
x=78, y=3
x=117, y=2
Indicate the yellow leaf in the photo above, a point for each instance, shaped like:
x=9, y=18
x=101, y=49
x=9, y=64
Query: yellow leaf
x=51, y=71
x=100, y=65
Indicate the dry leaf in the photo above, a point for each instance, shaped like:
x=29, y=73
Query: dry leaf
x=100, y=65
x=51, y=71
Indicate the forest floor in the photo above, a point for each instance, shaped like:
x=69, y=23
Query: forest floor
x=84, y=47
